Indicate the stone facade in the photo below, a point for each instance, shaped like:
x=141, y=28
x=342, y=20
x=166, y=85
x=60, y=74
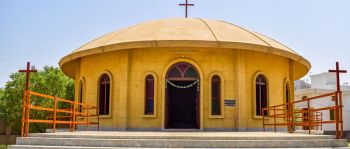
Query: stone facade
x=238, y=69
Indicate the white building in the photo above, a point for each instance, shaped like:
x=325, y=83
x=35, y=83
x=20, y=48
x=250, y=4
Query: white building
x=321, y=84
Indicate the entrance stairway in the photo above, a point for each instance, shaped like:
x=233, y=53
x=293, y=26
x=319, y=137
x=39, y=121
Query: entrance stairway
x=127, y=139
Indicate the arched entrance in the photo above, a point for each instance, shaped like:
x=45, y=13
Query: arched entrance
x=182, y=97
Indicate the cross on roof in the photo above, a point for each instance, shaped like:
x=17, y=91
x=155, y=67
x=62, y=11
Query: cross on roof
x=337, y=71
x=27, y=71
x=186, y=6
x=339, y=101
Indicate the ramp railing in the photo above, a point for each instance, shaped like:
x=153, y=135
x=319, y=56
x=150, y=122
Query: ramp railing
x=308, y=118
x=66, y=116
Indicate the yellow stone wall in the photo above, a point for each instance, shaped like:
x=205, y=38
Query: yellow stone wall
x=237, y=69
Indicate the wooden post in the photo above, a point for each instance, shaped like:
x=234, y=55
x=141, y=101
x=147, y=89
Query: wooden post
x=321, y=121
x=309, y=115
x=341, y=115
x=27, y=114
x=24, y=105
x=274, y=117
x=316, y=120
x=73, y=117
x=340, y=103
x=87, y=118
x=292, y=114
x=336, y=117
x=263, y=116
x=98, y=118
x=24, y=102
x=54, y=113
x=288, y=116
x=98, y=122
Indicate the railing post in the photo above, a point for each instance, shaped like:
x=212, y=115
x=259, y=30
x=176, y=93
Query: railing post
x=274, y=117
x=23, y=111
x=341, y=115
x=309, y=115
x=27, y=113
x=98, y=122
x=292, y=115
x=263, y=116
x=337, y=116
x=321, y=121
x=70, y=117
x=316, y=120
x=288, y=116
x=54, y=113
x=87, y=117
x=73, y=116
x=98, y=118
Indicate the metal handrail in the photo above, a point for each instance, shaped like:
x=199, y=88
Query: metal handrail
x=53, y=119
x=314, y=118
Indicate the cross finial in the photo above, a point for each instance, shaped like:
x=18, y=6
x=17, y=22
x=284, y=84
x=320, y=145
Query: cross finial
x=338, y=103
x=337, y=71
x=27, y=71
x=186, y=7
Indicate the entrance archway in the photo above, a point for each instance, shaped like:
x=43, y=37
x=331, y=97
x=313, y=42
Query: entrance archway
x=182, y=97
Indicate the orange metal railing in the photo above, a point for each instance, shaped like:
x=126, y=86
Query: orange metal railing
x=311, y=118
x=69, y=116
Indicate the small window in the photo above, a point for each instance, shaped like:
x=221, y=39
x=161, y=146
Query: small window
x=331, y=114
x=287, y=96
x=104, y=94
x=149, y=96
x=260, y=95
x=215, y=95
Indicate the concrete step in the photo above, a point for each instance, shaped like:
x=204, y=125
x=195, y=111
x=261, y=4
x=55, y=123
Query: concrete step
x=184, y=135
x=55, y=147
x=139, y=139
x=181, y=143
x=84, y=147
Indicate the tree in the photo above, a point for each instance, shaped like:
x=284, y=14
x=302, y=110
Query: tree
x=301, y=84
x=50, y=81
x=1, y=92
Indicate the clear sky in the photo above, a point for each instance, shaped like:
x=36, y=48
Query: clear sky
x=43, y=31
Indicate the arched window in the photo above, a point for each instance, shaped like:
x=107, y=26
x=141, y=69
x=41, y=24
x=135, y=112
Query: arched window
x=182, y=71
x=104, y=94
x=149, y=95
x=260, y=94
x=287, y=92
x=215, y=95
x=80, y=99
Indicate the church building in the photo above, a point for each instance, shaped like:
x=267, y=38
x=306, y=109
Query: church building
x=184, y=73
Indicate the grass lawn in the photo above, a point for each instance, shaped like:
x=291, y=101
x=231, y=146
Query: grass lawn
x=2, y=146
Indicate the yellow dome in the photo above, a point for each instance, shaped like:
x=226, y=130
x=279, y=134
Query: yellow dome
x=186, y=32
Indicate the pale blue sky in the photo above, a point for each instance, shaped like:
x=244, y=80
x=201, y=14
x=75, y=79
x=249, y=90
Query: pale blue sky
x=43, y=31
